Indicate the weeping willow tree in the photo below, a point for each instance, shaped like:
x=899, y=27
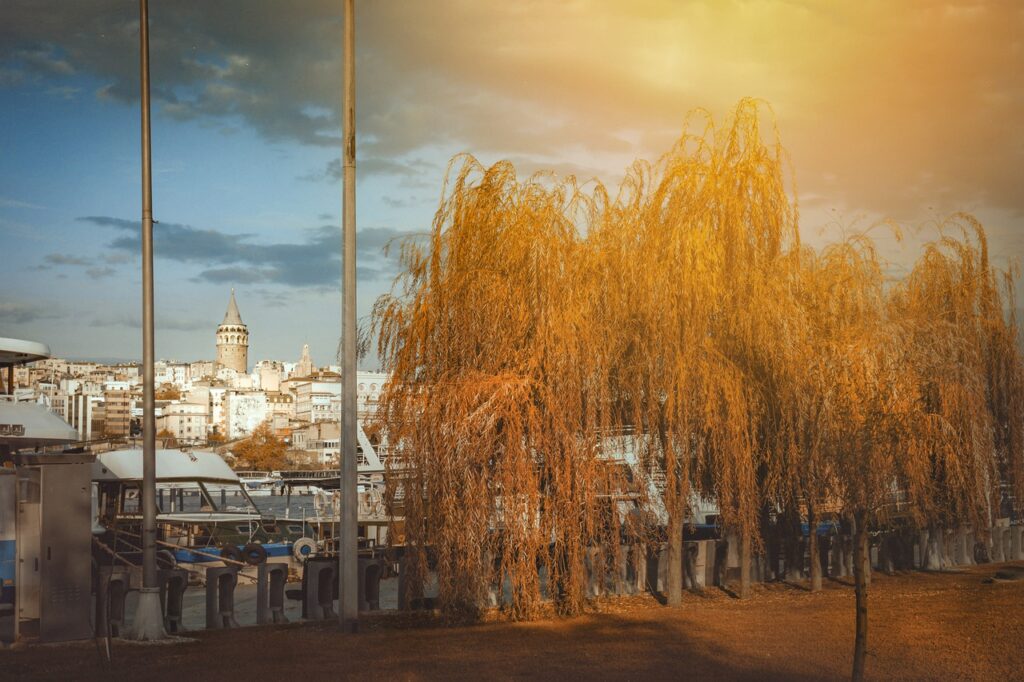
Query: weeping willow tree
x=499, y=391
x=700, y=248
x=909, y=413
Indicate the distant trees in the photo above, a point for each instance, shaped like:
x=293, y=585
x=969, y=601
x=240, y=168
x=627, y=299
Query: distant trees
x=540, y=321
x=262, y=450
x=168, y=438
x=167, y=392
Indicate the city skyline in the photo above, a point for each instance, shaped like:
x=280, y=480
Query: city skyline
x=246, y=138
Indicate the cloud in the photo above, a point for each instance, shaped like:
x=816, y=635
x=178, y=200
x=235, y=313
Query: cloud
x=15, y=312
x=413, y=173
x=66, y=259
x=100, y=273
x=116, y=258
x=162, y=322
x=6, y=202
x=899, y=104
x=237, y=258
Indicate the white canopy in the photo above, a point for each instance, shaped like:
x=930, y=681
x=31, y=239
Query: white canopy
x=27, y=425
x=17, y=352
x=171, y=465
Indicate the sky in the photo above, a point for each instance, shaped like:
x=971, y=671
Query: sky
x=890, y=110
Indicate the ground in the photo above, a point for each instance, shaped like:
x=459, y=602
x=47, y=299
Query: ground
x=922, y=626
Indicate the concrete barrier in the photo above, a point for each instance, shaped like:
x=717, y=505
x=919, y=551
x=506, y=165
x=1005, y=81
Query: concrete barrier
x=319, y=582
x=1016, y=534
x=595, y=571
x=1017, y=542
x=837, y=557
x=270, y=582
x=620, y=578
x=220, y=597
x=697, y=577
x=996, y=545
x=638, y=568
x=111, y=590
x=656, y=565
x=957, y=548
x=933, y=550
x=370, y=572
x=173, y=583
x=948, y=548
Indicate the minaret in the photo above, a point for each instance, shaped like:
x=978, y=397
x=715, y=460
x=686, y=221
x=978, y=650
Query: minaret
x=233, y=340
x=305, y=366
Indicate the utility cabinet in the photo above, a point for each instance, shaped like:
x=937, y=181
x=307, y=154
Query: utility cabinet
x=54, y=547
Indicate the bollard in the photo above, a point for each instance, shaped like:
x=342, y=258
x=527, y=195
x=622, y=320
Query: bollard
x=622, y=585
x=1016, y=543
x=173, y=583
x=837, y=568
x=960, y=550
x=700, y=565
x=370, y=571
x=732, y=555
x=111, y=591
x=653, y=566
x=270, y=582
x=997, y=545
x=933, y=551
x=220, y=597
x=595, y=572
x=721, y=563
x=403, y=584
x=318, y=584
x=638, y=565
x=690, y=550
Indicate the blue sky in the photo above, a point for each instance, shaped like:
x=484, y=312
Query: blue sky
x=909, y=114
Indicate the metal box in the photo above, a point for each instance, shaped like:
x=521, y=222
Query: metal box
x=54, y=549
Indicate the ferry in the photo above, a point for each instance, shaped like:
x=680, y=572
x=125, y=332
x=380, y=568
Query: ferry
x=205, y=515
x=261, y=483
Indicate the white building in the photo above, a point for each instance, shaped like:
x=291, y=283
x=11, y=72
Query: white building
x=243, y=412
x=188, y=422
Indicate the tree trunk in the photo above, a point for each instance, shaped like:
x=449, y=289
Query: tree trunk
x=860, y=563
x=744, y=564
x=674, y=575
x=812, y=546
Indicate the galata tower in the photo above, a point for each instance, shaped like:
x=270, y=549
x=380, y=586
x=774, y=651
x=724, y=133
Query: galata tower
x=233, y=340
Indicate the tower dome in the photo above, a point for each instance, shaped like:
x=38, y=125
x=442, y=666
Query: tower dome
x=233, y=339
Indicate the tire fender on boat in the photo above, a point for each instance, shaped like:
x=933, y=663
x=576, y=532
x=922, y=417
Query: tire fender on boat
x=165, y=559
x=303, y=548
x=254, y=554
x=231, y=553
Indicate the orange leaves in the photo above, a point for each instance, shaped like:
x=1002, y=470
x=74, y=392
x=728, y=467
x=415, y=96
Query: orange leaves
x=541, y=333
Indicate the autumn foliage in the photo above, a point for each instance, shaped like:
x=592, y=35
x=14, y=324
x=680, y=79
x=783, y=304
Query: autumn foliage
x=571, y=366
x=262, y=450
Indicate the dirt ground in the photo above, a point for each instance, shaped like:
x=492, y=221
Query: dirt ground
x=921, y=626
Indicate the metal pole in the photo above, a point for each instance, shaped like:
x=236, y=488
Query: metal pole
x=148, y=615
x=348, y=585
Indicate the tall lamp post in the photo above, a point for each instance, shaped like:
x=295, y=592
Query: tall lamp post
x=148, y=614
x=348, y=546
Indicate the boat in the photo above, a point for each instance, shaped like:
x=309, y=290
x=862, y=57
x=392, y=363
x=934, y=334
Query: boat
x=261, y=483
x=205, y=514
